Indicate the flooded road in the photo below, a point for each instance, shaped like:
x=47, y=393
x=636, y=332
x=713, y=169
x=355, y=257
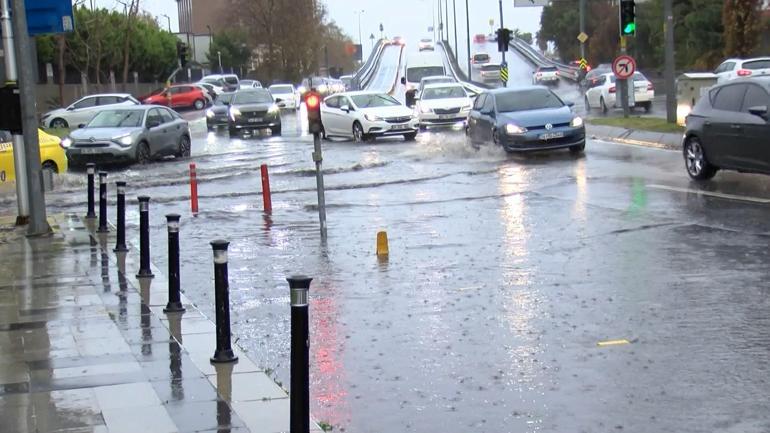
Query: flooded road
x=504, y=273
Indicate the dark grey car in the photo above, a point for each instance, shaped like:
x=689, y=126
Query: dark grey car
x=129, y=135
x=526, y=119
x=218, y=114
x=252, y=110
x=728, y=129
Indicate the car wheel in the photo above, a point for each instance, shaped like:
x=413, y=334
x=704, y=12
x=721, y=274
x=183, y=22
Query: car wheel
x=587, y=104
x=695, y=160
x=233, y=132
x=59, y=123
x=495, y=137
x=358, y=133
x=184, y=147
x=199, y=104
x=143, y=153
x=50, y=166
x=410, y=137
x=648, y=107
x=578, y=148
x=276, y=130
x=603, y=105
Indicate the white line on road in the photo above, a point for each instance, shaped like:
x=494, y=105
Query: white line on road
x=712, y=194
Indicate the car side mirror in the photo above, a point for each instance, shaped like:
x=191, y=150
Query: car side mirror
x=759, y=110
x=403, y=80
x=345, y=108
x=278, y=100
x=81, y=126
x=153, y=123
x=569, y=104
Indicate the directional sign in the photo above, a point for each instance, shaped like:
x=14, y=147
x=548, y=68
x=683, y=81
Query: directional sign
x=583, y=63
x=504, y=72
x=582, y=37
x=49, y=16
x=624, y=66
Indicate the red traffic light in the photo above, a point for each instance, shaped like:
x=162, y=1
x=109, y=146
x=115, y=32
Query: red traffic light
x=313, y=103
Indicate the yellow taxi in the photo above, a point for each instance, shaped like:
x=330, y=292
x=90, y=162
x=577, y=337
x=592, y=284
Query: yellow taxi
x=52, y=155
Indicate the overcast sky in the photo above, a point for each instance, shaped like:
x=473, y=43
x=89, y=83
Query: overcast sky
x=407, y=18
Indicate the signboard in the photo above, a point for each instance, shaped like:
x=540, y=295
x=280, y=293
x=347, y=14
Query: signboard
x=49, y=16
x=582, y=37
x=504, y=72
x=583, y=63
x=530, y=3
x=624, y=66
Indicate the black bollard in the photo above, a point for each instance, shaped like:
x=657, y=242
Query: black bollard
x=144, y=238
x=224, y=351
x=299, y=400
x=120, y=243
x=103, y=203
x=174, y=299
x=91, y=169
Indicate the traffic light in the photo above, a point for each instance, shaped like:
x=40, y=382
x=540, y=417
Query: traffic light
x=627, y=18
x=181, y=52
x=313, y=104
x=503, y=39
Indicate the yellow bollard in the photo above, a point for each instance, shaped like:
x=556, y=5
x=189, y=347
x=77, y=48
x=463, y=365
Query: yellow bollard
x=382, y=243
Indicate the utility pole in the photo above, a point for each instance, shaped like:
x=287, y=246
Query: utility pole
x=38, y=221
x=468, y=31
x=440, y=22
x=502, y=26
x=22, y=194
x=582, y=27
x=622, y=83
x=669, y=62
x=446, y=12
x=454, y=17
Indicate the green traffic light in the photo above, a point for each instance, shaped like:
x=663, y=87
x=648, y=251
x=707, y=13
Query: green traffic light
x=629, y=29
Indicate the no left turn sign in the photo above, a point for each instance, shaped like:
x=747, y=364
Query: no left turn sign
x=624, y=66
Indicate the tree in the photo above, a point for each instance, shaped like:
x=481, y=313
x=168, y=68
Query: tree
x=742, y=25
x=233, y=46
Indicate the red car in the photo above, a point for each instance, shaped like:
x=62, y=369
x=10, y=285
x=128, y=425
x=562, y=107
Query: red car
x=479, y=39
x=183, y=95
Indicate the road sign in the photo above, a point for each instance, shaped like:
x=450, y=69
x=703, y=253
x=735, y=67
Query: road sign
x=504, y=72
x=624, y=66
x=530, y=3
x=582, y=37
x=583, y=63
x=49, y=16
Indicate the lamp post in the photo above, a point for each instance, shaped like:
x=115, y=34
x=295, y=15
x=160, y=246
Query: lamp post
x=360, y=41
x=219, y=56
x=168, y=19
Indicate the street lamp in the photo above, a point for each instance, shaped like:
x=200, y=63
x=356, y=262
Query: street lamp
x=211, y=34
x=219, y=55
x=168, y=18
x=359, y=25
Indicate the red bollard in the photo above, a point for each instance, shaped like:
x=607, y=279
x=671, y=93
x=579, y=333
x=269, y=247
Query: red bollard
x=193, y=189
x=266, y=200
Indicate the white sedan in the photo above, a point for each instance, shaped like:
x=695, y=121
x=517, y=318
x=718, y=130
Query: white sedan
x=731, y=69
x=603, y=93
x=443, y=104
x=84, y=109
x=286, y=96
x=366, y=115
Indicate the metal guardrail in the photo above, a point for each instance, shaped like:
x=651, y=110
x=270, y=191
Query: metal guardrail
x=457, y=72
x=365, y=73
x=537, y=59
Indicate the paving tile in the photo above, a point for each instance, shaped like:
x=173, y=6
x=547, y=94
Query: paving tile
x=14, y=373
x=103, y=346
x=251, y=386
x=207, y=415
x=128, y=395
x=184, y=390
x=96, y=369
x=16, y=418
x=271, y=416
x=153, y=419
x=181, y=367
x=202, y=361
x=156, y=351
x=57, y=410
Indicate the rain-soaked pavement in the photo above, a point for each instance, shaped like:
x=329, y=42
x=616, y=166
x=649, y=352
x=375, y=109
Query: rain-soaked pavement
x=504, y=274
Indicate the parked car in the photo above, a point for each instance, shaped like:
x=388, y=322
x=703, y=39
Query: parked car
x=480, y=59
x=490, y=72
x=84, y=109
x=728, y=129
x=285, y=96
x=228, y=82
x=603, y=94
x=52, y=156
x=210, y=89
x=366, y=115
x=249, y=84
x=253, y=110
x=545, y=75
x=525, y=119
x=433, y=79
x=593, y=75
x=180, y=96
x=480, y=38
x=731, y=69
x=426, y=44
x=133, y=134
x=219, y=113
x=443, y=104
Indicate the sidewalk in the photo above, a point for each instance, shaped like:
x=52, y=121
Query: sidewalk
x=81, y=352
x=634, y=136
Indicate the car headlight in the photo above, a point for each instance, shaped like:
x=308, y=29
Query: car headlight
x=302, y=89
x=234, y=113
x=273, y=109
x=209, y=113
x=513, y=129
x=323, y=88
x=66, y=143
x=577, y=122
x=124, y=140
x=372, y=117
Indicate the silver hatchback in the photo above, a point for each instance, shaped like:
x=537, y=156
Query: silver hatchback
x=135, y=134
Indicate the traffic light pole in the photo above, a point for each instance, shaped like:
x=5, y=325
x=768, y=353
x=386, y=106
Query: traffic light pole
x=502, y=26
x=319, y=176
x=622, y=83
x=669, y=62
x=582, y=27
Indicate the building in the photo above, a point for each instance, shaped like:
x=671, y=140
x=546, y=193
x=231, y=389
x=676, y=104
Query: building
x=200, y=17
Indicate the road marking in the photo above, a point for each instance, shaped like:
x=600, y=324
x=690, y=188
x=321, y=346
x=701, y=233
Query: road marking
x=613, y=343
x=712, y=194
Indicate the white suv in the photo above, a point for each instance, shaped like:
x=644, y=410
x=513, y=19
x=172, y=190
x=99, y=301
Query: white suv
x=731, y=69
x=603, y=93
x=84, y=109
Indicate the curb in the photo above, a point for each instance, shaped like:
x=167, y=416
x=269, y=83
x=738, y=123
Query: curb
x=637, y=137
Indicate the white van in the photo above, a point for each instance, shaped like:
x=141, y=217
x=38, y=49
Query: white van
x=417, y=67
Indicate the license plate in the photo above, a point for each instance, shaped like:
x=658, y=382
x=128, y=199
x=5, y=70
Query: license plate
x=255, y=119
x=445, y=116
x=88, y=151
x=551, y=135
x=400, y=126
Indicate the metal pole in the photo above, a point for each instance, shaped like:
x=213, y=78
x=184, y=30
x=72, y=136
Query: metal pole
x=38, y=221
x=174, y=304
x=359, y=28
x=299, y=400
x=446, y=13
x=502, y=26
x=90, y=171
x=144, y=238
x=454, y=17
x=468, y=31
x=103, y=203
x=440, y=22
x=669, y=62
x=318, y=158
x=622, y=84
x=120, y=243
x=582, y=27
x=20, y=167
x=219, y=55
x=224, y=350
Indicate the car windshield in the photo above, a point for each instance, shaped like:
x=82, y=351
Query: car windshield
x=530, y=99
x=547, y=69
x=217, y=81
x=224, y=98
x=438, y=81
x=414, y=75
x=281, y=89
x=252, y=98
x=117, y=119
x=444, y=92
x=375, y=100
x=481, y=57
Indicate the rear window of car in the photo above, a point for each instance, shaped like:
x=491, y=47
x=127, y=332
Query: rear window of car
x=530, y=99
x=281, y=89
x=231, y=79
x=481, y=57
x=547, y=69
x=757, y=64
x=728, y=98
x=252, y=97
x=639, y=77
x=490, y=68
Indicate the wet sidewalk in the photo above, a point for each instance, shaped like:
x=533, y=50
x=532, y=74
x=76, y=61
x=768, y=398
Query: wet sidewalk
x=86, y=347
